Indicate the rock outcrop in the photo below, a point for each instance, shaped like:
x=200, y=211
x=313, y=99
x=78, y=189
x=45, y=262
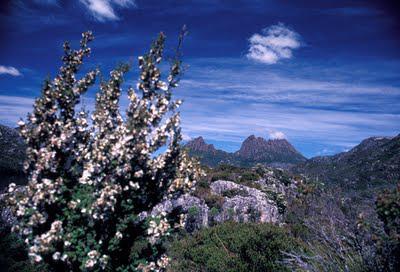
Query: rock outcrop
x=262, y=200
x=245, y=204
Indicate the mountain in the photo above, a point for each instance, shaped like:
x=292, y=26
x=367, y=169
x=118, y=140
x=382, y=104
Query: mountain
x=12, y=155
x=374, y=161
x=258, y=150
x=207, y=153
x=199, y=145
x=252, y=151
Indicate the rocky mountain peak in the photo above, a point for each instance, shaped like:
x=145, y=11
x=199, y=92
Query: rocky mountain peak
x=274, y=149
x=199, y=145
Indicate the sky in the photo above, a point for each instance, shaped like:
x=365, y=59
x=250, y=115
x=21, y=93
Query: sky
x=322, y=74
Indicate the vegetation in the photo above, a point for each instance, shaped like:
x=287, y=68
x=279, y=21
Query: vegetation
x=233, y=247
x=90, y=187
x=388, y=243
x=13, y=253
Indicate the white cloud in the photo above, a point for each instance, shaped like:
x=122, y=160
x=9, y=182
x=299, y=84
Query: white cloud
x=274, y=134
x=186, y=137
x=9, y=70
x=103, y=10
x=276, y=42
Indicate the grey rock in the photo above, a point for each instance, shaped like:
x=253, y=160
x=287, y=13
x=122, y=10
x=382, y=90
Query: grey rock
x=255, y=205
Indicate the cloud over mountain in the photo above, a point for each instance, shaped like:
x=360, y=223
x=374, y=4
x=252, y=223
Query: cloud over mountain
x=274, y=134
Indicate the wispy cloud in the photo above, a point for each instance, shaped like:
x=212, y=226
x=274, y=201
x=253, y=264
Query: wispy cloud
x=12, y=108
x=276, y=42
x=9, y=70
x=104, y=10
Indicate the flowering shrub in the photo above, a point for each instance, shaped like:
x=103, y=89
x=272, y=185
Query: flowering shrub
x=92, y=184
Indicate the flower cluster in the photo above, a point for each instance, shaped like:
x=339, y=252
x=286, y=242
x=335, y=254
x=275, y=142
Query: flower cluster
x=158, y=227
x=90, y=180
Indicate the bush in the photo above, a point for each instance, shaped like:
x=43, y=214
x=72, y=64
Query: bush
x=233, y=247
x=388, y=244
x=249, y=176
x=90, y=186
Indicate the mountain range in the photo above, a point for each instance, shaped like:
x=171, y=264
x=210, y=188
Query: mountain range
x=375, y=160
x=277, y=152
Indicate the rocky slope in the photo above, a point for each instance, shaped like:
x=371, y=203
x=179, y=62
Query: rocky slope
x=12, y=155
x=253, y=150
x=261, y=200
x=374, y=161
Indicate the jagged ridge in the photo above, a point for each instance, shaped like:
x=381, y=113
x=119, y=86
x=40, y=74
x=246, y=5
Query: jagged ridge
x=252, y=151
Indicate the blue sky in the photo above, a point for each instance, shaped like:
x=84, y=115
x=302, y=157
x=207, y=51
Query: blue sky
x=323, y=74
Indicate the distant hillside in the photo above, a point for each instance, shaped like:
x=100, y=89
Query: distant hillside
x=253, y=150
x=12, y=155
x=374, y=161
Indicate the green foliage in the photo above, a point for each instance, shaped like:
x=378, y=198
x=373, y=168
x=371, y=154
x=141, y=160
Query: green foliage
x=213, y=211
x=388, y=210
x=193, y=211
x=249, y=176
x=13, y=254
x=233, y=247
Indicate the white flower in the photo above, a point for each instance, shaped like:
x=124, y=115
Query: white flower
x=138, y=174
x=93, y=254
x=90, y=263
x=134, y=185
x=56, y=256
x=64, y=257
x=118, y=234
x=11, y=187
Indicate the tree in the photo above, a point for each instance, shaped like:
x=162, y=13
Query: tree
x=91, y=186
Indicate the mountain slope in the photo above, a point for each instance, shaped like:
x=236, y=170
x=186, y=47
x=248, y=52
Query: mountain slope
x=253, y=150
x=374, y=161
x=207, y=153
x=12, y=155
